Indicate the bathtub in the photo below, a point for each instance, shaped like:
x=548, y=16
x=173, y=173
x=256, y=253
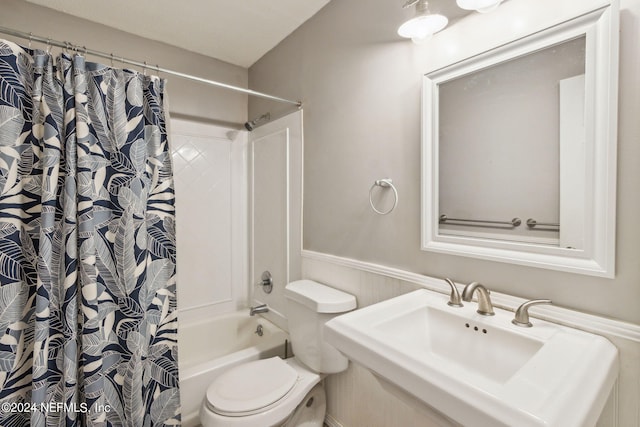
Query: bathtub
x=209, y=347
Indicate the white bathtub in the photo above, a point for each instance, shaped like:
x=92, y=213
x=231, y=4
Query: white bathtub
x=209, y=347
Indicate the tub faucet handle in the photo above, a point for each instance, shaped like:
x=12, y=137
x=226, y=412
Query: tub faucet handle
x=522, y=313
x=266, y=281
x=454, y=297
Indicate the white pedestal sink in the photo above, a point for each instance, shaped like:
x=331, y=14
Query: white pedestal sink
x=478, y=370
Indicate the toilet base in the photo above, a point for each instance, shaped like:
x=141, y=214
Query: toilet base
x=311, y=411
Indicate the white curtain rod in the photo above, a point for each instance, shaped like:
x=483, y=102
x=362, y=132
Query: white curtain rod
x=144, y=65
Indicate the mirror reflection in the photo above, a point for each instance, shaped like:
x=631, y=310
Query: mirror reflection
x=511, y=149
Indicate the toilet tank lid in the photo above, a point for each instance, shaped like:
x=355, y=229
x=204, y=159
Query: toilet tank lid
x=318, y=297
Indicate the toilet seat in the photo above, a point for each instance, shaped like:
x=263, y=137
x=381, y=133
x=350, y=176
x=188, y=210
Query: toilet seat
x=251, y=388
x=276, y=413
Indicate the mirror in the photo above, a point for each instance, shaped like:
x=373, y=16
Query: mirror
x=516, y=115
x=519, y=147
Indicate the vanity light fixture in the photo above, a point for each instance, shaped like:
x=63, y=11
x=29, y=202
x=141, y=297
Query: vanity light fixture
x=482, y=6
x=424, y=24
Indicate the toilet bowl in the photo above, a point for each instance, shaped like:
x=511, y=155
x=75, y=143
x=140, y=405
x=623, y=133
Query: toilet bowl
x=277, y=392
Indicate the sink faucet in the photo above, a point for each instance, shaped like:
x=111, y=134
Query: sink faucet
x=484, y=302
x=262, y=308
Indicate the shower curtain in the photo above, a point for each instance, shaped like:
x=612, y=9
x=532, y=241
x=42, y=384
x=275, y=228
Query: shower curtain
x=88, y=322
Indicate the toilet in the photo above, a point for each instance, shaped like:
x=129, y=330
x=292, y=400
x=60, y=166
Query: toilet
x=284, y=393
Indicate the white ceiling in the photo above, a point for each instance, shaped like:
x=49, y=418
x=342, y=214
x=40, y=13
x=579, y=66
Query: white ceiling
x=235, y=31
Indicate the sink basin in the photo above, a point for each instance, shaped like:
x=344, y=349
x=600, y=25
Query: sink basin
x=479, y=370
x=479, y=348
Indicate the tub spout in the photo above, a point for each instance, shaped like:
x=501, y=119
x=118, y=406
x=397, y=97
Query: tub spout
x=262, y=308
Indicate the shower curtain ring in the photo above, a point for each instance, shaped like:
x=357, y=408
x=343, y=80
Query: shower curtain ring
x=144, y=69
x=85, y=51
x=30, y=38
x=111, y=55
x=48, y=45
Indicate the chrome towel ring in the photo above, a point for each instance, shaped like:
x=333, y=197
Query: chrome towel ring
x=384, y=183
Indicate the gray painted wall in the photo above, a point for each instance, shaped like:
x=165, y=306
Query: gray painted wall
x=190, y=99
x=361, y=88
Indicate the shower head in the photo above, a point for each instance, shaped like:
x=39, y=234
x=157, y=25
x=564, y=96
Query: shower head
x=255, y=122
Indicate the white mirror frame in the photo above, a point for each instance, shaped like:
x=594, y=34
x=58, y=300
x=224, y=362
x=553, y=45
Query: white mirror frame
x=597, y=257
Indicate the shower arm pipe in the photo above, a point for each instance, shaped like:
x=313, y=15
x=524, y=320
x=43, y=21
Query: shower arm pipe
x=83, y=50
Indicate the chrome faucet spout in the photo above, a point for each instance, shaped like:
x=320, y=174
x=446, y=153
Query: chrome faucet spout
x=484, y=301
x=262, y=308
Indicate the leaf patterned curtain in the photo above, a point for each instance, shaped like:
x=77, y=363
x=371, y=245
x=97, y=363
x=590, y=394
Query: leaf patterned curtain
x=88, y=322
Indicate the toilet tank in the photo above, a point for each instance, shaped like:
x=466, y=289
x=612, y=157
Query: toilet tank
x=309, y=306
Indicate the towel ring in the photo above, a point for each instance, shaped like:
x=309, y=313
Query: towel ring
x=384, y=183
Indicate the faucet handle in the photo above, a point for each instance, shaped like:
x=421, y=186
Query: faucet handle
x=266, y=281
x=454, y=297
x=522, y=313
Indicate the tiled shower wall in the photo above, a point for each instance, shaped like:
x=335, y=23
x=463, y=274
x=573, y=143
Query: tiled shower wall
x=210, y=183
